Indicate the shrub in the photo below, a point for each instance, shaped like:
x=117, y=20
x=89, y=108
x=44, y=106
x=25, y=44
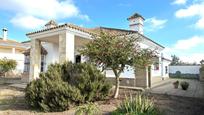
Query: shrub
x=184, y=76
x=184, y=85
x=7, y=65
x=176, y=84
x=178, y=74
x=88, y=109
x=66, y=85
x=139, y=105
x=88, y=79
x=202, y=72
x=47, y=94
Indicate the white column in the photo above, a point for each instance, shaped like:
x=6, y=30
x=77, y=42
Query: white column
x=35, y=55
x=66, y=47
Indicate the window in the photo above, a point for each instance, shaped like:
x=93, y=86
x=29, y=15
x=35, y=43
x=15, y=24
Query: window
x=42, y=63
x=27, y=63
x=166, y=69
x=156, y=66
x=77, y=59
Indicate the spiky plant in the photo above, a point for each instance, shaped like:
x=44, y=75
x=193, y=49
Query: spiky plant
x=138, y=105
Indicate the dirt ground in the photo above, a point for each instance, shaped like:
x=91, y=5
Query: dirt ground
x=12, y=103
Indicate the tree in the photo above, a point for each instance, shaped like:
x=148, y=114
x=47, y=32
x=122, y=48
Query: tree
x=202, y=62
x=7, y=65
x=117, y=53
x=175, y=60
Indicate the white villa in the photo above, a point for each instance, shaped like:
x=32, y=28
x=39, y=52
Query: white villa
x=59, y=43
x=11, y=49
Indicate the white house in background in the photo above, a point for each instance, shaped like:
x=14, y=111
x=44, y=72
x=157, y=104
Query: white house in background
x=59, y=43
x=11, y=49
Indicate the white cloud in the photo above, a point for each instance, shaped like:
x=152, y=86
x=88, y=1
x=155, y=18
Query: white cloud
x=196, y=9
x=153, y=23
x=180, y=2
x=27, y=22
x=200, y=23
x=194, y=57
x=84, y=17
x=41, y=10
x=189, y=43
x=187, y=49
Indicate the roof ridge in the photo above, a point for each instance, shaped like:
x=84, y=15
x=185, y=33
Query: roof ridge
x=117, y=29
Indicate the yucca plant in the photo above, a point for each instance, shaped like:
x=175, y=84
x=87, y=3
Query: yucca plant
x=88, y=109
x=138, y=105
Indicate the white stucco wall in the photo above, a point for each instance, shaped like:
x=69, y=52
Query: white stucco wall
x=185, y=69
x=15, y=56
x=165, y=64
x=52, y=53
x=128, y=73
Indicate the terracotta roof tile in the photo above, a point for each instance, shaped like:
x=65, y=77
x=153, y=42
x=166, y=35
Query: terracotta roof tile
x=64, y=25
x=43, y=51
x=11, y=43
x=95, y=31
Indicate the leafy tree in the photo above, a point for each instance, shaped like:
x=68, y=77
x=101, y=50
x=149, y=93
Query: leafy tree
x=175, y=60
x=202, y=62
x=7, y=65
x=117, y=53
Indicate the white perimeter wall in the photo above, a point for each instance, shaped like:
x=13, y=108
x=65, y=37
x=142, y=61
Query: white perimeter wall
x=185, y=69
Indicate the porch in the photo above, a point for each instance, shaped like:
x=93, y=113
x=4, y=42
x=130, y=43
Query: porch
x=61, y=44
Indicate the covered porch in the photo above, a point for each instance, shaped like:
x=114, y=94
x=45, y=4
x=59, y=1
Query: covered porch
x=61, y=43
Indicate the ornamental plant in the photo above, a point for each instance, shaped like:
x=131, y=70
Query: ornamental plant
x=65, y=85
x=138, y=105
x=117, y=53
x=184, y=85
x=7, y=65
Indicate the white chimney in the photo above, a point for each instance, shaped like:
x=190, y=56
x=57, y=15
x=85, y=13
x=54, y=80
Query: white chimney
x=136, y=23
x=5, y=33
x=51, y=24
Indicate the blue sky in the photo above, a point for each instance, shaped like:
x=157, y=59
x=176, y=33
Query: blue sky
x=176, y=24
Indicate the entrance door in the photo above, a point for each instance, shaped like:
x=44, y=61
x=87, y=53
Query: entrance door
x=149, y=76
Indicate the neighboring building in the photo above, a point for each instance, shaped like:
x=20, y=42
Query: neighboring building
x=59, y=43
x=11, y=49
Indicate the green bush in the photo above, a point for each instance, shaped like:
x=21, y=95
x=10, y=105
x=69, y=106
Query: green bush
x=202, y=72
x=139, y=105
x=88, y=79
x=7, y=65
x=66, y=85
x=88, y=109
x=184, y=85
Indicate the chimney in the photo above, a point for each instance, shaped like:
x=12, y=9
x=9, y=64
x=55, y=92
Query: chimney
x=51, y=24
x=5, y=33
x=136, y=23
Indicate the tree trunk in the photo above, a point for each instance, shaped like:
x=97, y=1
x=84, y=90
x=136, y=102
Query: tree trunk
x=117, y=84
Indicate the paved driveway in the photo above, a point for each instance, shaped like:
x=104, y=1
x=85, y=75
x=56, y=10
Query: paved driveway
x=196, y=88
